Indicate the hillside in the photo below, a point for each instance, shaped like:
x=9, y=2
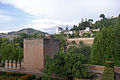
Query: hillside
x=103, y=22
x=27, y=31
x=13, y=34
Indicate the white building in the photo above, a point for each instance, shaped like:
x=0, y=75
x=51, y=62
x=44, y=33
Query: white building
x=59, y=30
x=87, y=29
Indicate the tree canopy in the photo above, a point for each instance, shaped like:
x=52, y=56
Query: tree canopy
x=68, y=65
x=104, y=22
x=106, y=46
x=102, y=16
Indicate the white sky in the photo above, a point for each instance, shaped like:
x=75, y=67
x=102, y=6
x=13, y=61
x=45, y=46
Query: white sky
x=52, y=13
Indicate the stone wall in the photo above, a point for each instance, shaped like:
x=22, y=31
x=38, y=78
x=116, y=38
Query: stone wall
x=51, y=46
x=88, y=41
x=35, y=51
x=33, y=54
x=99, y=70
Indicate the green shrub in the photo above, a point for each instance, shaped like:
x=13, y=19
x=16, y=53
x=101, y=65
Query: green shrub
x=31, y=77
x=45, y=77
x=14, y=76
x=108, y=73
x=68, y=65
x=38, y=78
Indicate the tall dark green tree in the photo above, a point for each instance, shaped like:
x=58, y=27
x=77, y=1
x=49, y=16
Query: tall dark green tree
x=62, y=40
x=119, y=18
x=106, y=46
x=10, y=52
x=90, y=20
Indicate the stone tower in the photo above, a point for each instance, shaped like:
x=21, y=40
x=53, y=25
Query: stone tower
x=35, y=51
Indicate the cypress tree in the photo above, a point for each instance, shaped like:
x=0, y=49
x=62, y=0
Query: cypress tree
x=106, y=46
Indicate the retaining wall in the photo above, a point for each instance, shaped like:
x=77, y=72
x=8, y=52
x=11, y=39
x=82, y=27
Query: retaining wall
x=88, y=41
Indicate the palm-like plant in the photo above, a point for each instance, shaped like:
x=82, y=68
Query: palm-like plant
x=102, y=16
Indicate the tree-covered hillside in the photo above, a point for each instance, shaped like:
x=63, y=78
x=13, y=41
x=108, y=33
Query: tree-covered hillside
x=103, y=22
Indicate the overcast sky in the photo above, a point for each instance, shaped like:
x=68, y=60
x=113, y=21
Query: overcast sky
x=46, y=15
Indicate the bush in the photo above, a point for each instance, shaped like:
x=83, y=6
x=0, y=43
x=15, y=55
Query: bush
x=15, y=76
x=45, y=77
x=80, y=48
x=68, y=65
x=38, y=78
x=108, y=73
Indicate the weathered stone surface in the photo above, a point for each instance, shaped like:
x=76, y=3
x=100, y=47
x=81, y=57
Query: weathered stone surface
x=88, y=41
x=35, y=51
x=14, y=64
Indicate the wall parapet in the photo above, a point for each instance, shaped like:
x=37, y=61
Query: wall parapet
x=11, y=64
x=101, y=68
x=88, y=41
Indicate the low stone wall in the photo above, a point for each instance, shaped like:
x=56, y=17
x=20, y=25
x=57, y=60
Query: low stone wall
x=101, y=68
x=88, y=41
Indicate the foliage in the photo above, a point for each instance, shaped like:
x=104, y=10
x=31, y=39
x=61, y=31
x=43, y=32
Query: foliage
x=104, y=22
x=45, y=77
x=73, y=43
x=102, y=16
x=15, y=76
x=20, y=39
x=81, y=26
x=74, y=35
x=38, y=78
x=10, y=52
x=106, y=46
x=86, y=35
x=62, y=40
x=80, y=48
x=66, y=65
x=108, y=73
x=94, y=33
x=13, y=50
x=77, y=71
x=66, y=28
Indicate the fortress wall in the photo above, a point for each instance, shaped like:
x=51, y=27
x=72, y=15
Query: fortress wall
x=88, y=41
x=35, y=51
x=51, y=46
x=33, y=54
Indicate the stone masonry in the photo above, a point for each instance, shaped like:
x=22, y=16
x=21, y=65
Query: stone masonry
x=88, y=41
x=35, y=51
